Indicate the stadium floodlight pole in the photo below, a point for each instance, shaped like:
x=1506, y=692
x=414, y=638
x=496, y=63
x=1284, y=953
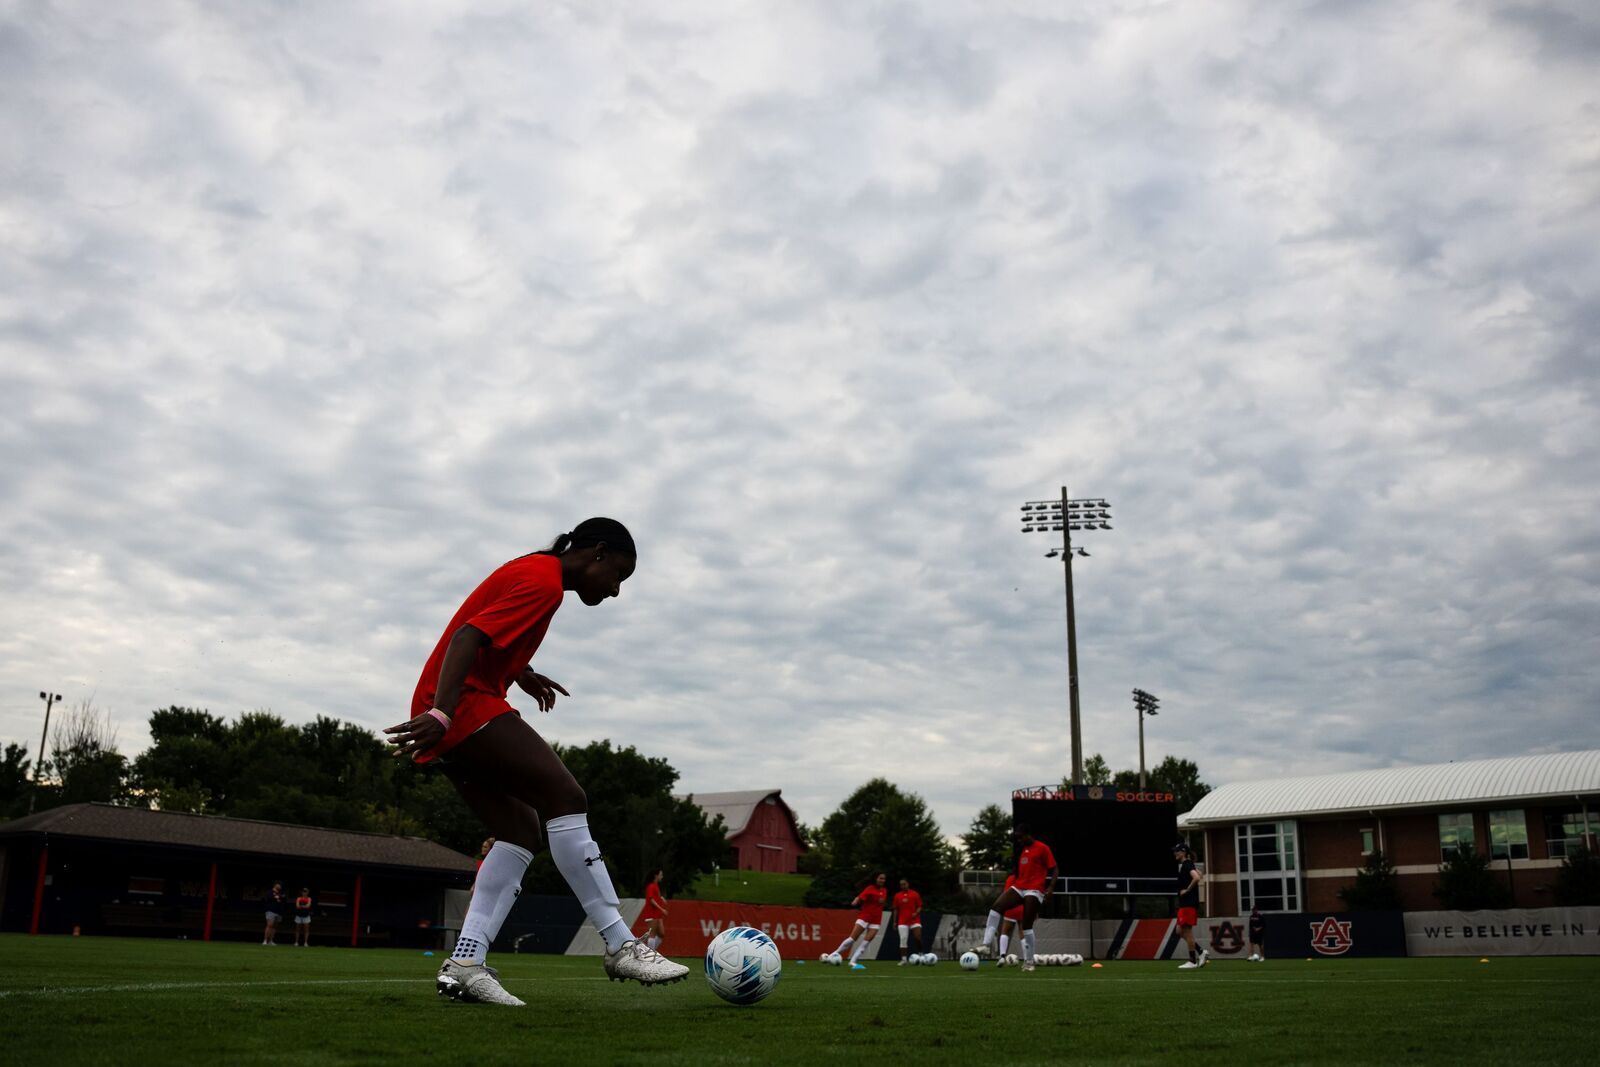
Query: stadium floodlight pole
x=1143, y=704
x=1066, y=515
x=49, y=702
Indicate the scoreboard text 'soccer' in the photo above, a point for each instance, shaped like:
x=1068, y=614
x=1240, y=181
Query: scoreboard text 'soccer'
x=1106, y=840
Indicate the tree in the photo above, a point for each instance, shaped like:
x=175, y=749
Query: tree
x=988, y=839
x=85, y=759
x=1466, y=883
x=1578, y=879
x=1096, y=771
x=14, y=784
x=1376, y=888
x=1181, y=778
x=880, y=828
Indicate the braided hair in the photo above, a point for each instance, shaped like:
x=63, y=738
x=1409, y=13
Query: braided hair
x=595, y=531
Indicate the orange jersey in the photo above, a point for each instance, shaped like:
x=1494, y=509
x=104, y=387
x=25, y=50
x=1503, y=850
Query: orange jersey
x=1033, y=868
x=653, y=901
x=872, y=899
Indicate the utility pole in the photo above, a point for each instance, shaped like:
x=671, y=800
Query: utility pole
x=1143, y=704
x=38, y=760
x=1064, y=516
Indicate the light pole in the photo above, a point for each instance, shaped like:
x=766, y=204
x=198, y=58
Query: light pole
x=1144, y=704
x=1066, y=515
x=38, y=760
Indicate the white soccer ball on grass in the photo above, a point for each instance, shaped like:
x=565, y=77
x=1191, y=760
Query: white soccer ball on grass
x=969, y=961
x=743, y=965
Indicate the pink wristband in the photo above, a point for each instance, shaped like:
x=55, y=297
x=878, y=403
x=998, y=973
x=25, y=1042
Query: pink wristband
x=441, y=716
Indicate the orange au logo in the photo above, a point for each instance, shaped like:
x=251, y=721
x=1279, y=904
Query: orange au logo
x=1331, y=937
x=1227, y=939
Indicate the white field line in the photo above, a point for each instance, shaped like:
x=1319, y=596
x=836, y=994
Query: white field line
x=156, y=987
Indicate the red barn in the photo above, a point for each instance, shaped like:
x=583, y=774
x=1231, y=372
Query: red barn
x=762, y=832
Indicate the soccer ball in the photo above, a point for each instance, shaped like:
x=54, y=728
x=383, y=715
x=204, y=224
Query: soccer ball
x=969, y=961
x=743, y=965
x=931, y=958
x=1011, y=959
x=835, y=959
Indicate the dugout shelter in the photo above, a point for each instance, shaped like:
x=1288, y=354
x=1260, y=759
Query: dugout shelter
x=105, y=869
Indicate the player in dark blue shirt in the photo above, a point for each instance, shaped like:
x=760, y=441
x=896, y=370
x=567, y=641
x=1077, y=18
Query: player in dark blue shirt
x=1189, y=877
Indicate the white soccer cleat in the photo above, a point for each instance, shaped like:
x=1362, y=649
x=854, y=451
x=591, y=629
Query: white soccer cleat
x=1190, y=966
x=983, y=952
x=1027, y=967
x=473, y=984
x=643, y=964
x=1205, y=957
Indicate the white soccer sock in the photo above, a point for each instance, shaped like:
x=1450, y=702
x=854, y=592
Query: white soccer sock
x=580, y=863
x=846, y=943
x=1027, y=946
x=654, y=943
x=861, y=946
x=1005, y=942
x=992, y=927
x=499, y=882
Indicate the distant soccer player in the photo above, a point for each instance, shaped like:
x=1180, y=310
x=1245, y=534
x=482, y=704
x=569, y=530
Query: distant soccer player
x=1011, y=925
x=483, y=852
x=1036, y=874
x=277, y=908
x=1189, y=905
x=868, y=919
x=1258, y=936
x=655, y=909
x=908, y=918
x=508, y=775
x=302, y=918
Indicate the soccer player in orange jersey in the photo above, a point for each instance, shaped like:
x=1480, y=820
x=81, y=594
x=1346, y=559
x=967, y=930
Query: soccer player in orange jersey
x=509, y=776
x=908, y=918
x=871, y=900
x=655, y=910
x=1036, y=874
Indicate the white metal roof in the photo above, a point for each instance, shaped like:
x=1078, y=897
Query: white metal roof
x=1559, y=774
x=735, y=808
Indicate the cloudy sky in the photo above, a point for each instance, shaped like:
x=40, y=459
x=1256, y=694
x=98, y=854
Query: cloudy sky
x=311, y=315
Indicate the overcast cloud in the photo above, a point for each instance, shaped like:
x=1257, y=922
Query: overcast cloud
x=311, y=315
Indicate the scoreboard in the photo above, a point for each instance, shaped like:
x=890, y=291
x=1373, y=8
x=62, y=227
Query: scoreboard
x=1107, y=841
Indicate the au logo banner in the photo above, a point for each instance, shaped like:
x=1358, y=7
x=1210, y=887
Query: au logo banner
x=1331, y=937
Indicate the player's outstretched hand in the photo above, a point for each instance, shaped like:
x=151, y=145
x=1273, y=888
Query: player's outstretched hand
x=417, y=736
x=540, y=688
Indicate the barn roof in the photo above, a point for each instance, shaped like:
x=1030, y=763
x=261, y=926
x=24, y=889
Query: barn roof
x=735, y=808
x=217, y=833
x=1555, y=775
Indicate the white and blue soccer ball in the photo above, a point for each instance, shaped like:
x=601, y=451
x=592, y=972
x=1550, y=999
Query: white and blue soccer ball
x=930, y=958
x=743, y=965
x=969, y=961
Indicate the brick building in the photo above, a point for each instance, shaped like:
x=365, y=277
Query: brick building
x=1291, y=844
x=762, y=832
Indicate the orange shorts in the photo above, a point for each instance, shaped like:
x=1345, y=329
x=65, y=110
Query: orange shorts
x=474, y=711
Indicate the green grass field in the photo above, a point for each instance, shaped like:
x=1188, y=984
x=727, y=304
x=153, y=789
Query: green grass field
x=752, y=887
x=133, y=1002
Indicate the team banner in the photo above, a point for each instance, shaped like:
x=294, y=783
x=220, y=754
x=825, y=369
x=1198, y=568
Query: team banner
x=800, y=933
x=1329, y=935
x=1529, y=932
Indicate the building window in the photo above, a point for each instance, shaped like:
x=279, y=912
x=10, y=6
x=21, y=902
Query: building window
x=1508, y=835
x=1368, y=845
x=1269, y=874
x=1563, y=832
x=1455, y=831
